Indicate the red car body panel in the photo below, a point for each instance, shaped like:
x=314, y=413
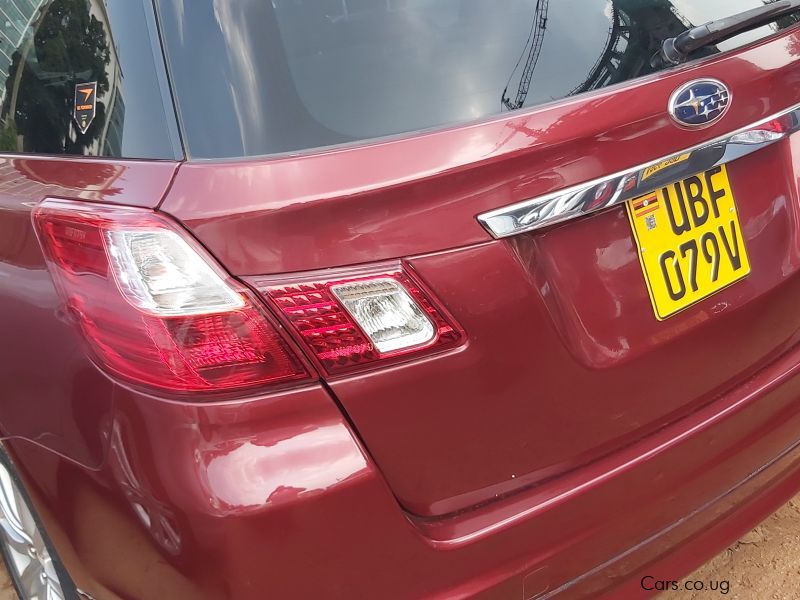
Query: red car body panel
x=562, y=347
x=550, y=454
x=737, y=461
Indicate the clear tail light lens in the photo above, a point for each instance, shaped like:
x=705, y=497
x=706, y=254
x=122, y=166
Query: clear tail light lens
x=350, y=322
x=158, y=272
x=154, y=306
x=386, y=313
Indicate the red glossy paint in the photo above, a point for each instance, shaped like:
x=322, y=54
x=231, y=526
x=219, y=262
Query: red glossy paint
x=570, y=446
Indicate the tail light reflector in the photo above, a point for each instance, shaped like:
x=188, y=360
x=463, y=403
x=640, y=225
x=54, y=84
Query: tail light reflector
x=351, y=322
x=154, y=306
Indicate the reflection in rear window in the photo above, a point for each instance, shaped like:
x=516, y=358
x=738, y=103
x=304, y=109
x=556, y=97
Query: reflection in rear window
x=257, y=77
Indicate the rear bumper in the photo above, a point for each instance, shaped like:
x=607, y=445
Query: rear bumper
x=275, y=496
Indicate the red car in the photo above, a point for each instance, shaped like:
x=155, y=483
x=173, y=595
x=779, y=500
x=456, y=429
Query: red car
x=394, y=298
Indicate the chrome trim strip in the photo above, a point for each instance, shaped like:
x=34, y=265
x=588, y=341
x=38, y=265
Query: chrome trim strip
x=602, y=193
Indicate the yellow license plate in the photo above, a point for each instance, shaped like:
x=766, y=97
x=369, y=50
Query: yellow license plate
x=689, y=239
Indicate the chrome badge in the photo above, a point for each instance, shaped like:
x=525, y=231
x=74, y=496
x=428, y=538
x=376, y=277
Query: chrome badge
x=699, y=103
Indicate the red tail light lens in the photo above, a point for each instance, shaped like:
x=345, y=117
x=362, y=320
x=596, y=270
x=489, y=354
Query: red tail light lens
x=783, y=124
x=770, y=131
x=154, y=306
x=351, y=322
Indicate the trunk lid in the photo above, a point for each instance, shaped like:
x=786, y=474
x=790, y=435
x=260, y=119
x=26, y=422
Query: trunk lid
x=565, y=361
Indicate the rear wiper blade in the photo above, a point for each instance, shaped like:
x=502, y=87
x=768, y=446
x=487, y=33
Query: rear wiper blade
x=676, y=50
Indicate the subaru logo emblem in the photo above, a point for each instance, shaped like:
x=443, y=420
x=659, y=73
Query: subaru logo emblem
x=699, y=103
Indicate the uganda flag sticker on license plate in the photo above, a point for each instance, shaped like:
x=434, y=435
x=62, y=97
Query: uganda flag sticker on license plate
x=85, y=105
x=689, y=239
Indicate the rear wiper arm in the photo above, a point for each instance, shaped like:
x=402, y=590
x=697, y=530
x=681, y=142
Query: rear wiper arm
x=676, y=50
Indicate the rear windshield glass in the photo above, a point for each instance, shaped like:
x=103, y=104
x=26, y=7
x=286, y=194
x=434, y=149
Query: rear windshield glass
x=257, y=77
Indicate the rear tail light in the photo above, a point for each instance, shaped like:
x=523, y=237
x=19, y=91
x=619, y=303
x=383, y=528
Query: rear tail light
x=769, y=131
x=386, y=313
x=158, y=272
x=349, y=322
x=154, y=306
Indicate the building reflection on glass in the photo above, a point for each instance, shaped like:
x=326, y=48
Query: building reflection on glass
x=47, y=47
x=636, y=30
x=785, y=21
